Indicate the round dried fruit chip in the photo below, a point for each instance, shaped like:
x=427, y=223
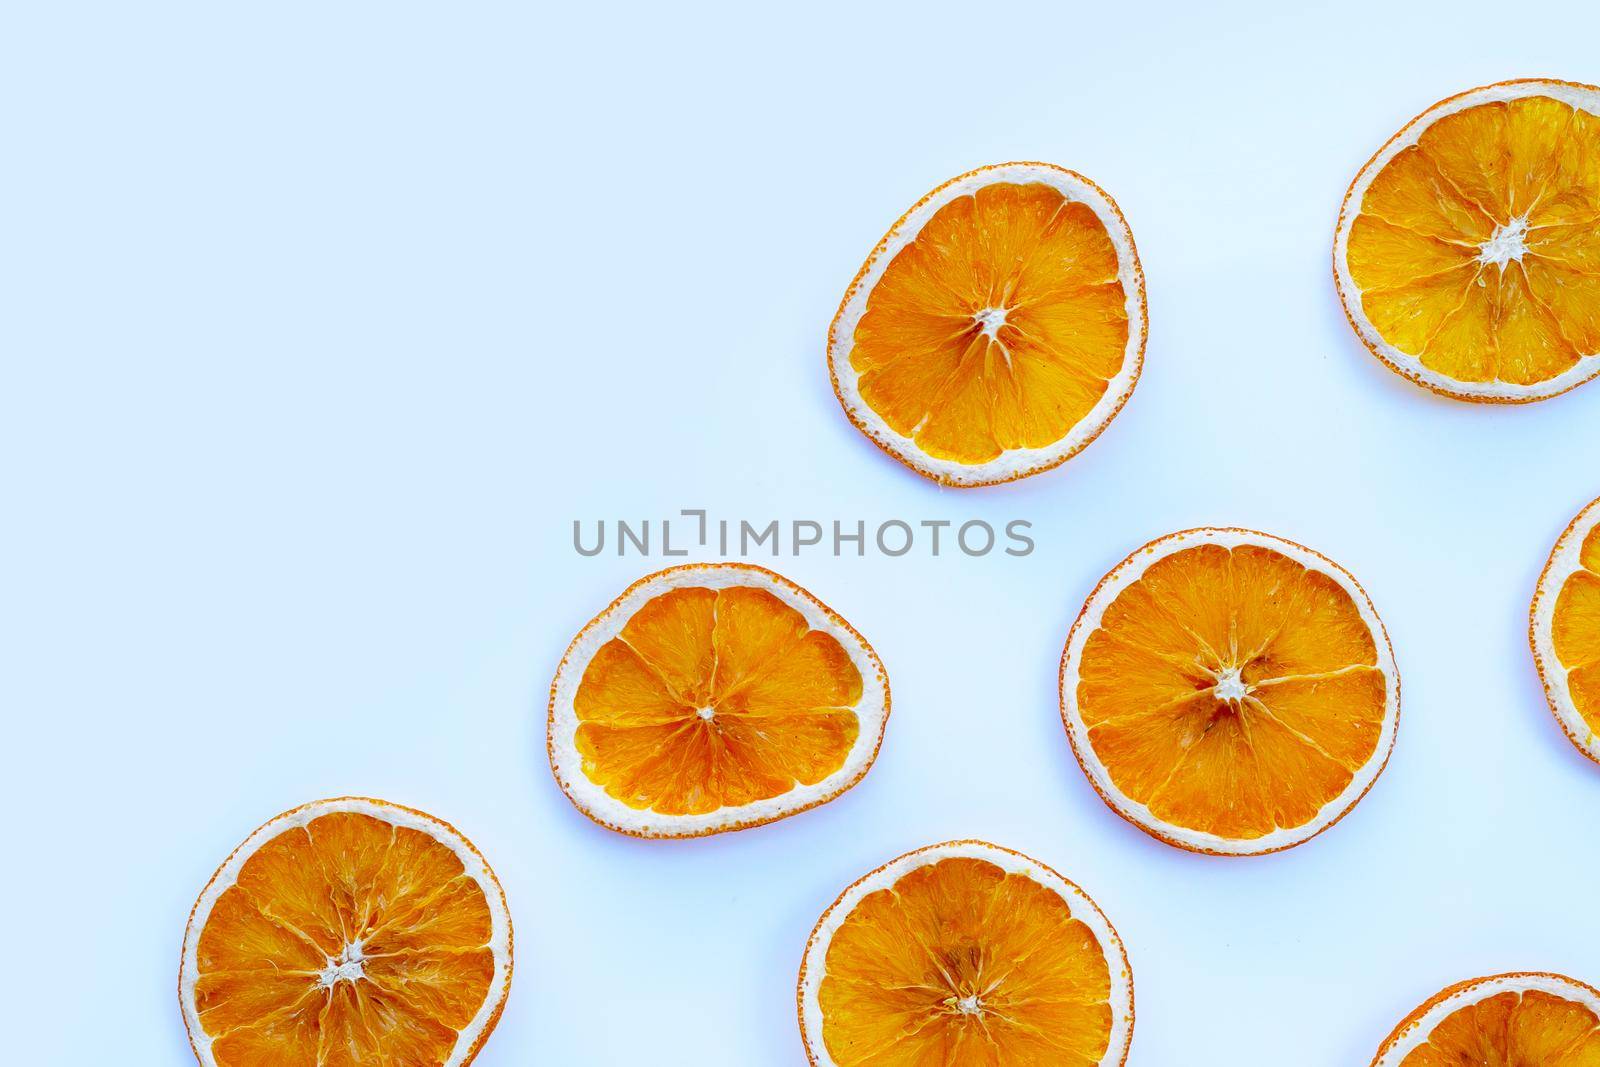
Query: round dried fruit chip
x=1565, y=630
x=713, y=697
x=1468, y=249
x=996, y=329
x=1230, y=692
x=347, y=932
x=1513, y=1019
x=965, y=953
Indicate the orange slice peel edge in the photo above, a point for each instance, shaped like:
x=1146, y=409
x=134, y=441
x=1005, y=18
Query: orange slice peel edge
x=1013, y=462
x=470, y=1038
x=1411, y=365
x=1415, y=1030
x=564, y=722
x=1564, y=562
x=813, y=968
x=1127, y=574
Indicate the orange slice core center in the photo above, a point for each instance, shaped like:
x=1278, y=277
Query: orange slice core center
x=347, y=968
x=1231, y=685
x=1507, y=243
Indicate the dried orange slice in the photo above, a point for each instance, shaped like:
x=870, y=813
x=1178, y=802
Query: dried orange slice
x=713, y=697
x=965, y=953
x=1565, y=630
x=996, y=329
x=1548, y=1020
x=1230, y=692
x=1468, y=249
x=347, y=932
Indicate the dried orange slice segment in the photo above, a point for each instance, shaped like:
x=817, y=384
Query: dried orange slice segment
x=997, y=328
x=713, y=697
x=965, y=953
x=1230, y=692
x=1565, y=630
x=1529, y=1018
x=347, y=932
x=1468, y=249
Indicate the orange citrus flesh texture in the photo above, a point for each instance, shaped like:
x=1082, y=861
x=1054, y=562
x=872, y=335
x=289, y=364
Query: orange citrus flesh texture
x=997, y=327
x=710, y=698
x=960, y=962
x=1477, y=250
x=1232, y=691
x=392, y=904
x=1513, y=1029
x=1576, y=630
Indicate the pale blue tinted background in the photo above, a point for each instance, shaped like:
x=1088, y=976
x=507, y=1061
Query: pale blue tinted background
x=322, y=322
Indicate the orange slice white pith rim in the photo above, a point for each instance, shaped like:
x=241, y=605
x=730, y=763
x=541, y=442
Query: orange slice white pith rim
x=1468, y=248
x=1230, y=692
x=996, y=329
x=713, y=697
x=1548, y=1020
x=347, y=932
x=1565, y=630
x=965, y=953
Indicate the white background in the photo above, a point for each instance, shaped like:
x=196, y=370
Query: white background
x=323, y=322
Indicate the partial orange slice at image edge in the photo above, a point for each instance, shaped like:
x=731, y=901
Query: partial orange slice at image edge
x=1523, y=1018
x=1230, y=692
x=344, y=932
x=997, y=329
x=965, y=953
x=713, y=697
x=1467, y=253
x=1564, y=630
